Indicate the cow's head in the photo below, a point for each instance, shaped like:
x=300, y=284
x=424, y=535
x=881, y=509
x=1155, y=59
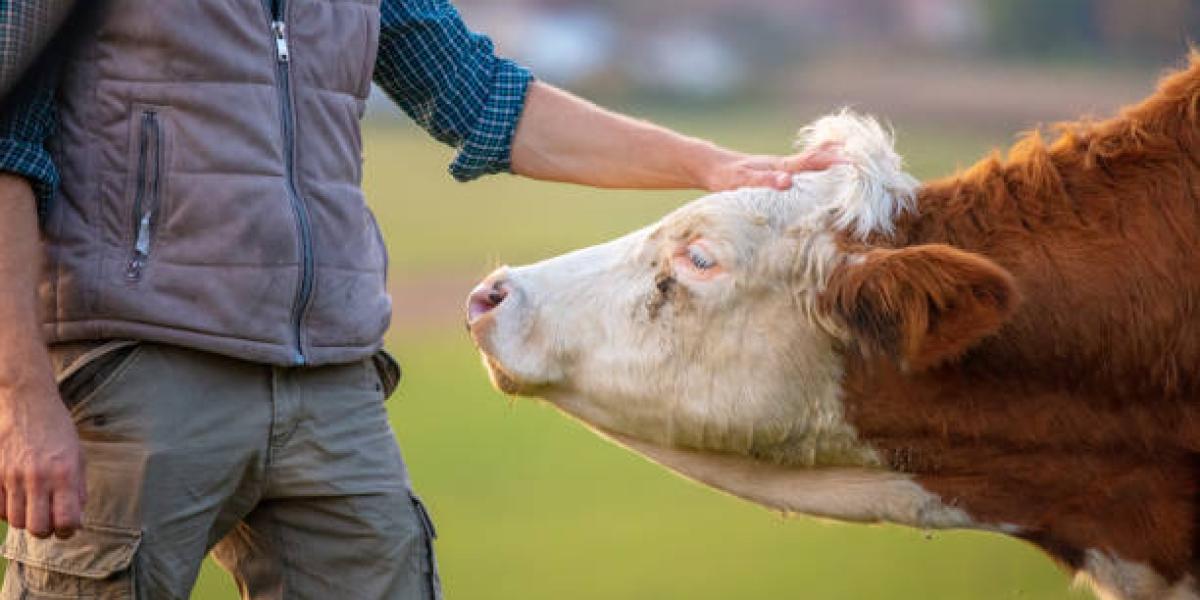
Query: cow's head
x=723, y=327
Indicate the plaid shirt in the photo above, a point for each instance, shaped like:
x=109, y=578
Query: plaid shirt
x=446, y=77
x=25, y=26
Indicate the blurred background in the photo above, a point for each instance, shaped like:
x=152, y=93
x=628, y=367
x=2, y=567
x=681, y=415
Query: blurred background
x=530, y=505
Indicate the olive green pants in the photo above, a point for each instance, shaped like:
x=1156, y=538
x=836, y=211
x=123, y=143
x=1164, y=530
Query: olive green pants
x=290, y=477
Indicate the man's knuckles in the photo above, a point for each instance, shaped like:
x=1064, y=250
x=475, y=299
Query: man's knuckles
x=41, y=473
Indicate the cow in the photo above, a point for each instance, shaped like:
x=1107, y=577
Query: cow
x=1014, y=348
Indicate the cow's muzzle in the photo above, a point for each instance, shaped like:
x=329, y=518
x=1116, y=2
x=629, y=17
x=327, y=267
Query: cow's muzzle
x=487, y=297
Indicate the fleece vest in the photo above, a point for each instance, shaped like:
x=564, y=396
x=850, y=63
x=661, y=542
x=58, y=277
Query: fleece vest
x=211, y=161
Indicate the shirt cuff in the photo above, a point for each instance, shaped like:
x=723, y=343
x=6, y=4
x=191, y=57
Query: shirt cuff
x=33, y=162
x=488, y=148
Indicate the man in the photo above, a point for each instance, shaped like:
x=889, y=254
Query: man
x=212, y=288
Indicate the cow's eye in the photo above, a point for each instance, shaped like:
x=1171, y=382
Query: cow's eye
x=700, y=258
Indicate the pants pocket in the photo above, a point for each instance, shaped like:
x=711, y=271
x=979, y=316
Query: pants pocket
x=430, y=562
x=96, y=562
x=91, y=371
x=389, y=372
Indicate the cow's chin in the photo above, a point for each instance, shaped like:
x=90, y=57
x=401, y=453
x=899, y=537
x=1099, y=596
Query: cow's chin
x=512, y=381
x=515, y=375
x=503, y=380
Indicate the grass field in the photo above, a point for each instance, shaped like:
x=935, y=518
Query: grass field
x=532, y=507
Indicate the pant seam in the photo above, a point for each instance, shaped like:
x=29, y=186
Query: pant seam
x=274, y=395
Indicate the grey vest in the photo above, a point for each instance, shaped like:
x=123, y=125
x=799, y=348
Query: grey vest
x=211, y=162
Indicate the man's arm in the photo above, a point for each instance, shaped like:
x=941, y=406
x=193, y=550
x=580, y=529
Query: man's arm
x=41, y=466
x=449, y=80
x=562, y=137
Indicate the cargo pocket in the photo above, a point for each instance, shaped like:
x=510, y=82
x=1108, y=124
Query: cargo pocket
x=96, y=562
x=429, y=564
x=388, y=371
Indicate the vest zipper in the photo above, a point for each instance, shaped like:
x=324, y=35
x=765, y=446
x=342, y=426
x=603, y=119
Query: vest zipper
x=278, y=14
x=146, y=198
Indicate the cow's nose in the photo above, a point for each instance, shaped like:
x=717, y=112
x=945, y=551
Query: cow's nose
x=486, y=297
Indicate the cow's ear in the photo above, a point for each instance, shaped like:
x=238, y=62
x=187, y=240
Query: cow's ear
x=921, y=305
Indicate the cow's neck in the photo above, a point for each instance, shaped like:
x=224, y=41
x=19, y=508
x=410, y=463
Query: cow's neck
x=1078, y=423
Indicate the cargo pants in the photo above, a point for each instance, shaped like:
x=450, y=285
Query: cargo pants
x=290, y=477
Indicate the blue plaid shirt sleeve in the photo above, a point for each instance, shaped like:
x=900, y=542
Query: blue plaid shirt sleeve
x=449, y=80
x=26, y=128
x=23, y=135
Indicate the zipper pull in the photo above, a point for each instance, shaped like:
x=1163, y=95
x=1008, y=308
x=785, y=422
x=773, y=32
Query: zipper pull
x=281, y=41
x=141, y=249
x=142, y=246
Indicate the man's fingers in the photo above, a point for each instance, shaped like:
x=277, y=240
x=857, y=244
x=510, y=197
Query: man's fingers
x=65, y=509
x=37, y=508
x=818, y=160
x=67, y=500
x=762, y=178
x=15, y=505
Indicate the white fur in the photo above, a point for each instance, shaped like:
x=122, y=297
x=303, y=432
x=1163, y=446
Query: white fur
x=1114, y=578
x=876, y=189
x=847, y=494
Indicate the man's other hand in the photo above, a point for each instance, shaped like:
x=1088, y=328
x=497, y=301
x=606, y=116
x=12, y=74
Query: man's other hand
x=41, y=466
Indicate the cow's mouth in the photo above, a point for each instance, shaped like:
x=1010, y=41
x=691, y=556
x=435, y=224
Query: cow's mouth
x=481, y=330
x=503, y=381
x=506, y=381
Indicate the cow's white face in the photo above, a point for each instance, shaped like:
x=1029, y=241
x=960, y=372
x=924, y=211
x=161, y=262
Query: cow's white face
x=692, y=333
x=713, y=341
x=702, y=331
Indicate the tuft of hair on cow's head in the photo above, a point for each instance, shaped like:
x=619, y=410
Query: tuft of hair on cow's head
x=920, y=306
x=872, y=187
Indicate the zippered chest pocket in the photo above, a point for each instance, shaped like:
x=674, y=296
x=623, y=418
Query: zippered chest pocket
x=149, y=160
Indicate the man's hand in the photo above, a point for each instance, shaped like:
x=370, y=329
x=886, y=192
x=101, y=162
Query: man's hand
x=41, y=467
x=564, y=138
x=732, y=170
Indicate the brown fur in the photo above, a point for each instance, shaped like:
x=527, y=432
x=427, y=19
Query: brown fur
x=922, y=305
x=1078, y=419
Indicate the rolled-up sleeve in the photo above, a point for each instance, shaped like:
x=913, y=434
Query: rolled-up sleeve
x=24, y=131
x=28, y=117
x=450, y=81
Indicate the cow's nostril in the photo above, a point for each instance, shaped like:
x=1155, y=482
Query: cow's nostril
x=497, y=295
x=486, y=298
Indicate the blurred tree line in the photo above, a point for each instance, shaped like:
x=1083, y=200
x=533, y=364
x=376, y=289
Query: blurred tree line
x=1130, y=30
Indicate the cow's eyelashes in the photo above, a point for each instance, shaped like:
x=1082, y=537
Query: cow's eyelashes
x=700, y=258
x=697, y=262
